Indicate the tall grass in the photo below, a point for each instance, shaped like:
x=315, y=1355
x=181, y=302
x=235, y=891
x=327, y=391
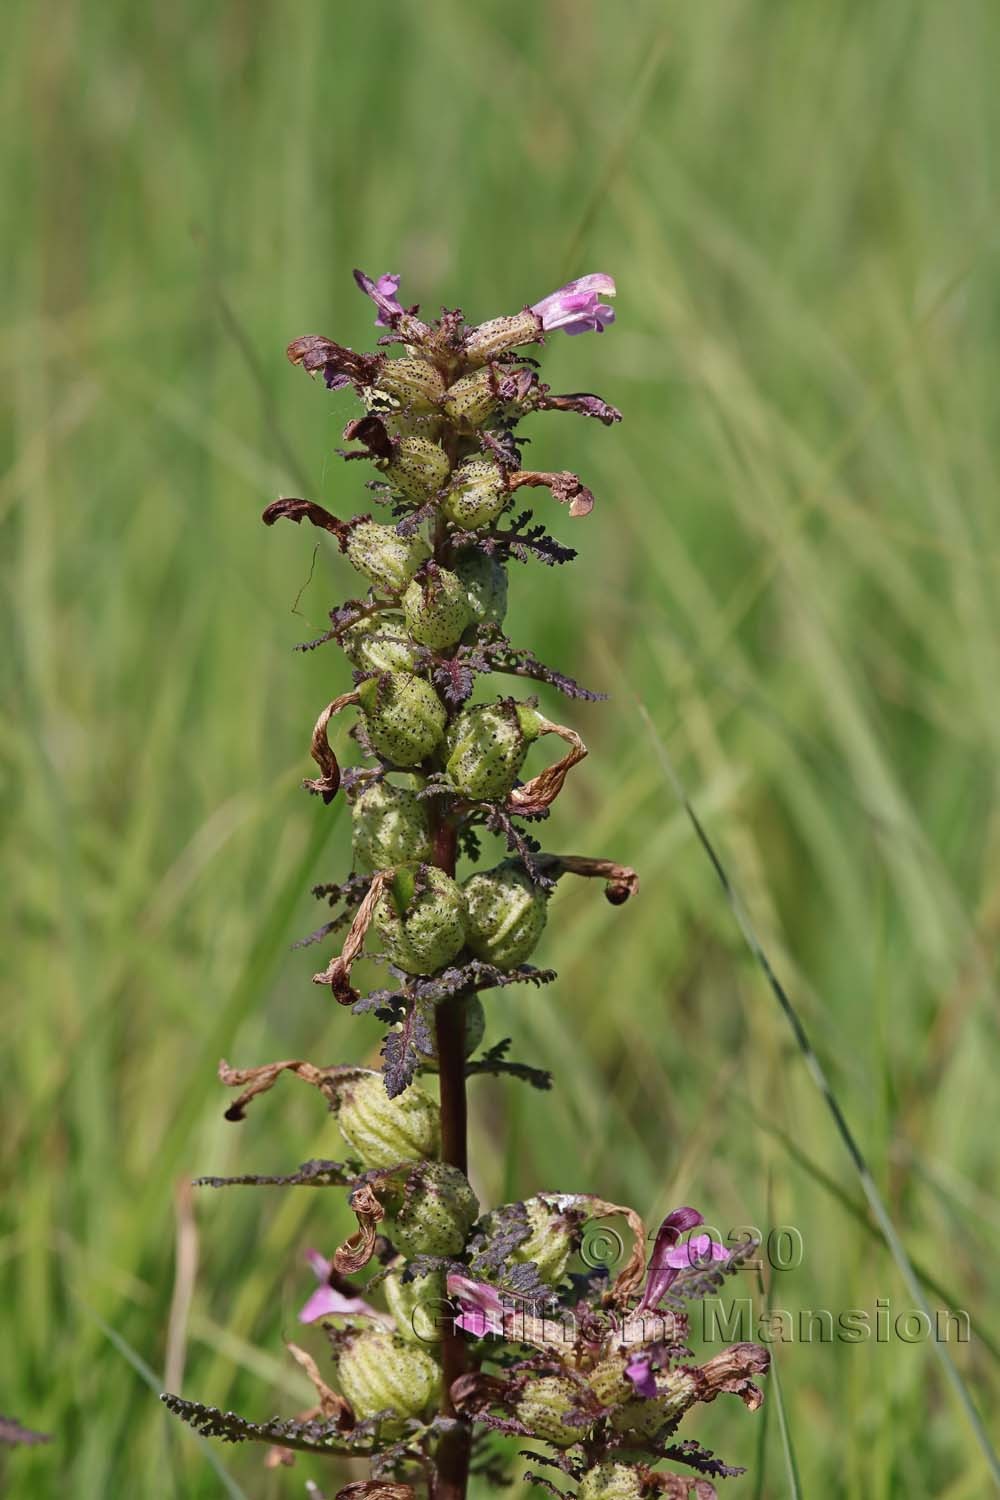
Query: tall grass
x=793, y=565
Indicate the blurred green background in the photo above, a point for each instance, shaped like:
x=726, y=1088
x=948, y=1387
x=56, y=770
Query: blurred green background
x=793, y=564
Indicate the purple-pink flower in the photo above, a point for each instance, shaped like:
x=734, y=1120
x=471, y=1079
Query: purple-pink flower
x=326, y=1301
x=576, y=307
x=480, y=1308
x=383, y=294
x=670, y=1258
x=640, y=1372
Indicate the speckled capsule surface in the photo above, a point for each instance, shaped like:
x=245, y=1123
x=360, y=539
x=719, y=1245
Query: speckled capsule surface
x=379, y=1371
x=471, y=398
x=437, y=609
x=486, y=747
x=384, y=556
x=380, y=644
x=610, y=1481
x=476, y=494
x=417, y=469
x=404, y=717
x=506, y=914
x=383, y=1131
x=438, y=1210
x=550, y=1243
x=543, y=1406
x=389, y=826
x=485, y=583
x=413, y=383
x=420, y=919
x=647, y=1415
x=418, y=1306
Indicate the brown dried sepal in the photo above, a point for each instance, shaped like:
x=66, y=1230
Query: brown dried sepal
x=317, y=354
x=566, y=487
x=542, y=790
x=337, y=974
x=730, y=1372
x=327, y=785
x=260, y=1080
x=332, y=1406
x=621, y=881
x=307, y=510
x=355, y=1253
x=373, y=435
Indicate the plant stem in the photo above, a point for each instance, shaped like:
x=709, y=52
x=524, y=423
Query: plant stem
x=453, y=1451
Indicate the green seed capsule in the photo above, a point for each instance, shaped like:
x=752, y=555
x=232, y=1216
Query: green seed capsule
x=379, y=1371
x=404, y=717
x=437, y=610
x=418, y=468
x=384, y=556
x=486, y=748
x=437, y=1212
x=421, y=919
x=384, y=1131
x=418, y=1306
x=389, y=826
x=647, y=1415
x=552, y=1241
x=608, y=1381
x=471, y=398
x=476, y=495
x=506, y=914
x=380, y=644
x=475, y=1028
x=412, y=383
x=543, y=1406
x=610, y=1481
x=485, y=583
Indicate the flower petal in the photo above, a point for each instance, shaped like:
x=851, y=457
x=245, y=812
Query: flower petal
x=661, y=1271
x=383, y=294
x=576, y=307
x=699, y=1250
x=327, y=1302
x=640, y=1373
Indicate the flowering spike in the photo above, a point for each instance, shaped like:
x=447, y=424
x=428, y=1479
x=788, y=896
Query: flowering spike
x=475, y=1320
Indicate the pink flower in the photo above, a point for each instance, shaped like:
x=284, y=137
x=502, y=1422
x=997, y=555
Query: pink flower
x=326, y=1300
x=640, y=1372
x=383, y=294
x=670, y=1258
x=576, y=307
x=480, y=1307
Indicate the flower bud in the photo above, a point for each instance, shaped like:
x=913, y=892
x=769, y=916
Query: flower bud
x=417, y=469
x=485, y=583
x=420, y=918
x=543, y=1406
x=437, y=610
x=389, y=826
x=506, y=914
x=382, y=555
x=380, y=645
x=418, y=1306
x=411, y=382
x=379, y=1371
x=472, y=398
x=384, y=1131
x=610, y=1481
x=476, y=494
x=404, y=717
x=486, y=748
x=475, y=1028
x=437, y=1211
